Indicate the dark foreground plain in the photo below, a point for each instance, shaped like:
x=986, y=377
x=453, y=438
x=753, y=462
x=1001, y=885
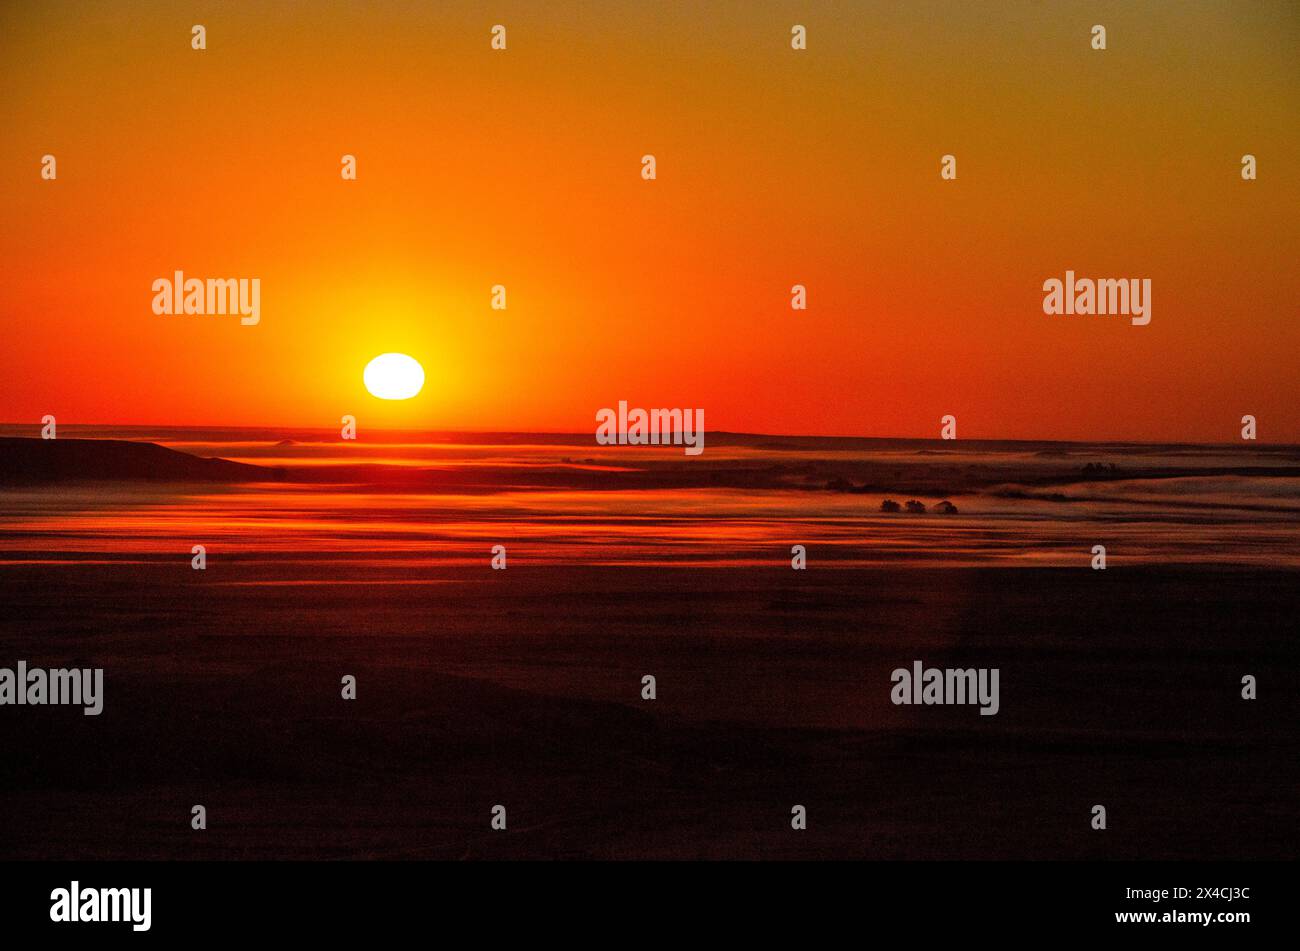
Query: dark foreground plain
x=522, y=687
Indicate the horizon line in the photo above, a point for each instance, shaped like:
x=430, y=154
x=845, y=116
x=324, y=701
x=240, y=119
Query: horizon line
x=716, y=432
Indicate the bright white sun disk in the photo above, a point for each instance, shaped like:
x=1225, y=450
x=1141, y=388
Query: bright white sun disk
x=393, y=376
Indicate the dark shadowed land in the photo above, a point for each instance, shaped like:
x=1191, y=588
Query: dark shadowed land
x=45, y=461
x=522, y=687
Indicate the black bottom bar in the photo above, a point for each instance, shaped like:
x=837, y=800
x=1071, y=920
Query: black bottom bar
x=650, y=901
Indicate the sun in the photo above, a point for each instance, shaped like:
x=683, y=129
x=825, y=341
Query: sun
x=393, y=376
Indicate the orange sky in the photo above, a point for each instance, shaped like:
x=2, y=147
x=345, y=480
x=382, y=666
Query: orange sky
x=775, y=167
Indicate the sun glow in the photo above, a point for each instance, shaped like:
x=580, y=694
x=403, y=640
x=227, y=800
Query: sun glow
x=394, y=376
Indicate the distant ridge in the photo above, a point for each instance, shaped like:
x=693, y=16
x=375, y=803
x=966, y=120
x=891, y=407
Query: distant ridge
x=288, y=436
x=41, y=461
x=932, y=473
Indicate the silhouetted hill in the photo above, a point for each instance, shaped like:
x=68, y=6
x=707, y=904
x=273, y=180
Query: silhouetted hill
x=40, y=461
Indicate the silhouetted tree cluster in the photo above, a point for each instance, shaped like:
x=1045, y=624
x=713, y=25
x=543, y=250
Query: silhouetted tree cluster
x=917, y=508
